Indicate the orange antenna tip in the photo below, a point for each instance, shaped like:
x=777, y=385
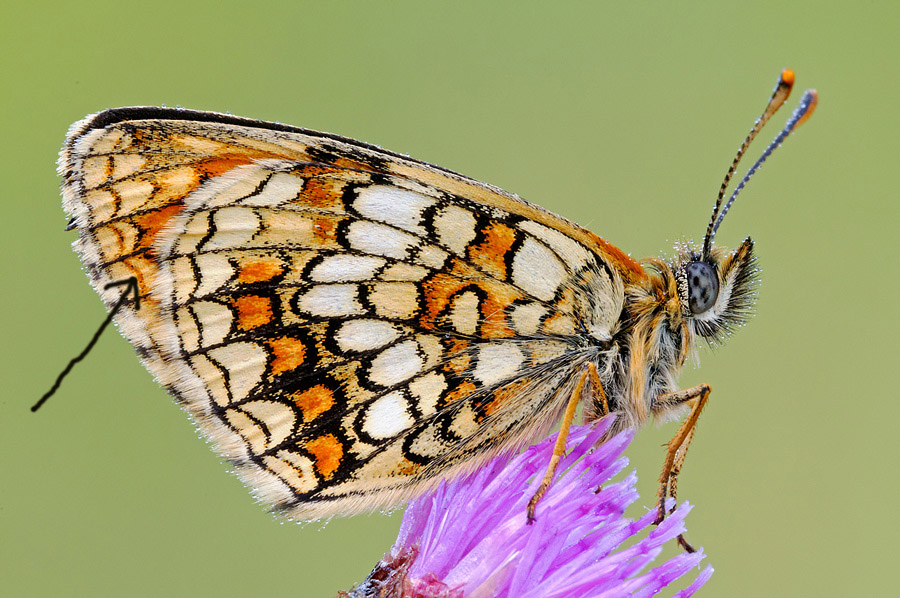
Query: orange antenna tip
x=787, y=75
x=781, y=92
x=813, y=96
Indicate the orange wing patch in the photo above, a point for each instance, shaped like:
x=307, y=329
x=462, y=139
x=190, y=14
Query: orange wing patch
x=289, y=353
x=502, y=395
x=314, y=401
x=253, y=312
x=323, y=194
x=490, y=254
x=217, y=166
x=327, y=451
x=324, y=230
x=462, y=390
x=152, y=223
x=259, y=270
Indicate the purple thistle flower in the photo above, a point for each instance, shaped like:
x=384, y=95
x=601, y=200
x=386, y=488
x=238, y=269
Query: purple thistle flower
x=469, y=538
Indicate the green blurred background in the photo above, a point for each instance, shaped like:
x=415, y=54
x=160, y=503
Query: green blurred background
x=623, y=119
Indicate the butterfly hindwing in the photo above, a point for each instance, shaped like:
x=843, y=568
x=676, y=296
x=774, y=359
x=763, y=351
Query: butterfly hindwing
x=343, y=325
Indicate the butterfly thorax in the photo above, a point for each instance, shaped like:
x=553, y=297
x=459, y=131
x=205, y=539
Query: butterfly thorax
x=661, y=323
x=646, y=355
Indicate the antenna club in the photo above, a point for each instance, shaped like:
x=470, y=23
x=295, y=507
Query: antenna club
x=787, y=76
x=813, y=96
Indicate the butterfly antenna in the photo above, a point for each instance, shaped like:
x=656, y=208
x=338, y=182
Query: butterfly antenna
x=801, y=113
x=779, y=96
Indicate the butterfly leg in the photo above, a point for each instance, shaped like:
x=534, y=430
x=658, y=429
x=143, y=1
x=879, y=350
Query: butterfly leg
x=598, y=388
x=696, y=397
x=560, y=447
x=604, y=405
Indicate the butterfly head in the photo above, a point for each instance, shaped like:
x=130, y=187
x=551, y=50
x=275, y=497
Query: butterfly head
x=706, y=291
x=715, y=292
x=715, y=287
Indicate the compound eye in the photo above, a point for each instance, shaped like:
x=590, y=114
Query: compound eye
x=703, y=286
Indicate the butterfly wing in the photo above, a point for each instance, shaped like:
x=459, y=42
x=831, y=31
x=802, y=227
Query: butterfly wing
x=347, y=325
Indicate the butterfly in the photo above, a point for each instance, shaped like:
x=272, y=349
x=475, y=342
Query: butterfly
x=348, y=326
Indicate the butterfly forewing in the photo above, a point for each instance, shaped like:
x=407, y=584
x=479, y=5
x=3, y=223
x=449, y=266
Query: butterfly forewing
x=347, y=325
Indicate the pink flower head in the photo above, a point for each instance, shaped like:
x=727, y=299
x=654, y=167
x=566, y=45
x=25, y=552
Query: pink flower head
x=470, y=538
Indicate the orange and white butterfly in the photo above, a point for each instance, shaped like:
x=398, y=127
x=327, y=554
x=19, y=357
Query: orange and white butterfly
x=349, y=326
